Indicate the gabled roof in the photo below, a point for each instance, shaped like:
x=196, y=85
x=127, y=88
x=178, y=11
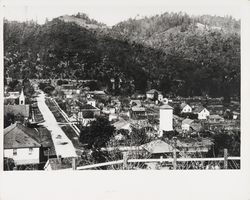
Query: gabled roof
x=183, y=105
x=137, y=102
x=198, y=109
x=166, y=106
x=17, y=136
x=158, y=146
x=187, y=121
x=138, y=109
x=152, y=91
x=90, y=99
x=121, y=124
x=88, y=107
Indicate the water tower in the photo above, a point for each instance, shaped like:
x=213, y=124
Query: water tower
x=166, y=119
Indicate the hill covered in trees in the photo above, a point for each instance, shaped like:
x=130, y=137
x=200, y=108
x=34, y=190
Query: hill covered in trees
x=176, y=53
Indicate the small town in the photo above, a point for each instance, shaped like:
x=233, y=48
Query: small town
x=150, y=93
x=63, y=125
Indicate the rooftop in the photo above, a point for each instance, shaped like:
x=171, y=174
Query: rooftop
x=166, y=106
x=18, y=136
x=158, y=146
x=152, y=91
x=138, y=109
x=198, y=109
x=88, y=107
x=23, y=110
x=187, y=121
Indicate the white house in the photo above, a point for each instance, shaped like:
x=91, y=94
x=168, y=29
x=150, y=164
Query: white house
x=151, y=93
x=186, y=124
x=185, y=108
x=160, y=97
x=19, y=146
x=202, y=112
x=91, y=102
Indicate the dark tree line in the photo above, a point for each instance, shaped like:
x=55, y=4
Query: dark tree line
x=167, y=52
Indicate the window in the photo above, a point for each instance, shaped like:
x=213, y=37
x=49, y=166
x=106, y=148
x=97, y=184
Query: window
x=14, y=152
x=30, y=150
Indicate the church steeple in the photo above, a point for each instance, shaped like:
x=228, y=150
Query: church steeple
x=22, y=98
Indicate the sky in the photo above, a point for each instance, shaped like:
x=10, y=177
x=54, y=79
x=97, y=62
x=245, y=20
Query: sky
x=111, y=12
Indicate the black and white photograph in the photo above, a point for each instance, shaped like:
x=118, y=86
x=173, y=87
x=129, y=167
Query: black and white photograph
x=109, y=87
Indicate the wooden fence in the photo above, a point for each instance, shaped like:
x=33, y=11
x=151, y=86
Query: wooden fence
x=173, y=160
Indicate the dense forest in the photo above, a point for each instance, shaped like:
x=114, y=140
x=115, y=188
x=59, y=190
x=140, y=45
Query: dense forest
x=173, y=52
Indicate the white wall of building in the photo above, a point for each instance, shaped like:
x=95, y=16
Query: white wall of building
x=91, y=102
x=203, y=114
x=187, y=109
x=185, y=127
x=23, y=156
x=166, y=120
x=149, y=96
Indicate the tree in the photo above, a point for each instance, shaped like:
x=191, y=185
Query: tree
x=138, y=137
x=97, y=134
x=9, y=119
x=9, y=164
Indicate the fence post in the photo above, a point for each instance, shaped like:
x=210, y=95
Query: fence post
x=174, y=157
x=125, y=160
x=225, y=159
x=74, y=163
x=174, y=153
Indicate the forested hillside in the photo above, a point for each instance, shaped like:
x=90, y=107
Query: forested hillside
x=173, y=52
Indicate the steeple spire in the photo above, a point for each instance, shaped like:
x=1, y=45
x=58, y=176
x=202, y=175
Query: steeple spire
x=22, y=98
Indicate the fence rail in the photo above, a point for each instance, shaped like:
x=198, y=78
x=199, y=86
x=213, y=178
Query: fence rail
x=174, y=161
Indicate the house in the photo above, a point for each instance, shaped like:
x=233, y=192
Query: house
x=69, y=90
x=91, y=102
x=158, y=148
x=190, y=125
x=202, y=112
x=109, y=110
x=135, y=103
x=186, y=124
x=122, y=124
x=151, y=94
x=138, y=113
x=236, y=115
x=113, y=117
x=87, y=114
x=14, y=98
x=185, y=108
x=215, y=119
x=19, y=146
x=190, y=145
x=138, y=96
